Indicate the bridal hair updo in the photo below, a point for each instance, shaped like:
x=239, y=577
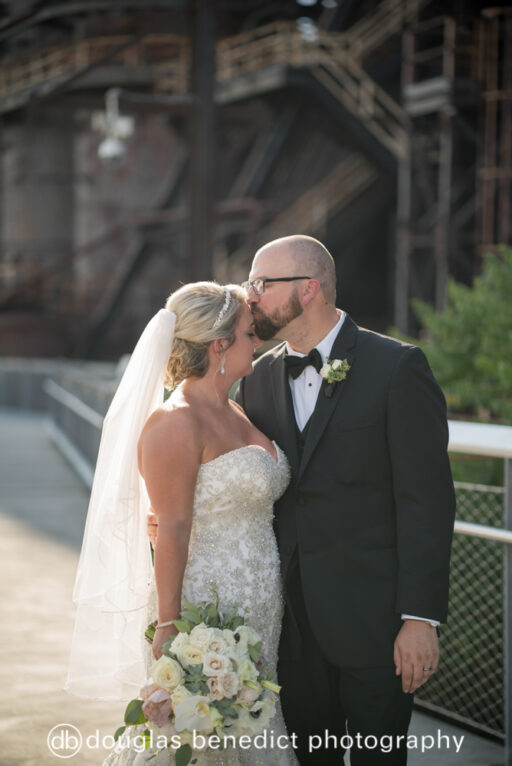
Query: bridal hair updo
x=201, y=317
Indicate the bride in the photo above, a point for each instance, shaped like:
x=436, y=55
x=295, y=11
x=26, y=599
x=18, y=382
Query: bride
x=211, y=478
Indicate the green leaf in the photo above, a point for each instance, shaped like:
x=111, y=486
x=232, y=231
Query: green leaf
x=255, y=651
x=147, y=738
x=183, y=626
x=133, y=713
x=193, y=615
x=183, y=755
x=237, y=621
x=119, y=732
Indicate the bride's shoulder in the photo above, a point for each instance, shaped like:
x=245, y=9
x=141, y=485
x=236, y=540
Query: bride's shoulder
x=171, y=424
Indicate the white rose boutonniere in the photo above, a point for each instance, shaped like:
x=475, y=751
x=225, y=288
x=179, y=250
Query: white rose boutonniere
x=335, y=370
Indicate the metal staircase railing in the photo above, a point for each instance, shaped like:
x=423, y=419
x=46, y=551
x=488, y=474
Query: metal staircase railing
x=339, y=188
x=388, y=18
x=19, y=77
x=329, y=59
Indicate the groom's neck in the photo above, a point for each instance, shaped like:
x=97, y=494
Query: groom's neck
x=310, y=328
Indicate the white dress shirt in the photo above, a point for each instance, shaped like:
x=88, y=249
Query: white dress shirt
x=305, y=389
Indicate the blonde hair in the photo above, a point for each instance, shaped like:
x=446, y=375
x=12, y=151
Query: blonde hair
x=203, y=314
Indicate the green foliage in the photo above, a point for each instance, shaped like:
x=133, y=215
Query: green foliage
x=183, y=755
x=133, y=714
x=469, y=344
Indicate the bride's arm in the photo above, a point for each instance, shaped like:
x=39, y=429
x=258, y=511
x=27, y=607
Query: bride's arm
x=169, y=457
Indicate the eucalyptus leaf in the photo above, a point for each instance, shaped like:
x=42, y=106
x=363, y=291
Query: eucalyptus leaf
x=133, y=712
x=255, y=651
x=119, y=732
x=183, y=626
x=183, y=755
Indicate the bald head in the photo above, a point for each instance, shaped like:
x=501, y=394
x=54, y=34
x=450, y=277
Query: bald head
x=305, y=255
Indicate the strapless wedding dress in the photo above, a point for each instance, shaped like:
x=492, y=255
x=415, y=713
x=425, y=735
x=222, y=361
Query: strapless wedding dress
x=233, y=549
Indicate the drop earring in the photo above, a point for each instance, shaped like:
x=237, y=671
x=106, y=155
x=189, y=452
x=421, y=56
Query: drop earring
x=222, y=364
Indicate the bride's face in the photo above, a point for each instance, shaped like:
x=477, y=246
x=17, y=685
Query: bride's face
x=240, y=354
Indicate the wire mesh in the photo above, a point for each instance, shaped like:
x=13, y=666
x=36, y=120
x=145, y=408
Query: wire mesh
x=468, y=685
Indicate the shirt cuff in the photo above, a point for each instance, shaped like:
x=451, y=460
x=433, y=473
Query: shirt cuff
x=434, y=623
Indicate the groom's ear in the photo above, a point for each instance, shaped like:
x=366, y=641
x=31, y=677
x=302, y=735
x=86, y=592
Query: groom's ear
x=311, y=290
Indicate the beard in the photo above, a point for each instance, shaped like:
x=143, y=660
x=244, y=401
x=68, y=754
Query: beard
x=266, y=326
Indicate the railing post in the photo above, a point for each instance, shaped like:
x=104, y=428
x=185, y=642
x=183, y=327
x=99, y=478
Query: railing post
x=507, y=616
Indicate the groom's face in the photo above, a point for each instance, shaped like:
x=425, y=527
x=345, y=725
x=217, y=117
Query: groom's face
x=280, y=303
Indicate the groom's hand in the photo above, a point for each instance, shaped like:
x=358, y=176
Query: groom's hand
x=152, y=527
x=416, y=653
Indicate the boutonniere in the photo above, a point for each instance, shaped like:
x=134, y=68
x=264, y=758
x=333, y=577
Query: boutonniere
x=334, y=371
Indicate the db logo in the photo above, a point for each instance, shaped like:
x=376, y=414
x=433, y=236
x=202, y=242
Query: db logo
x=64, y=740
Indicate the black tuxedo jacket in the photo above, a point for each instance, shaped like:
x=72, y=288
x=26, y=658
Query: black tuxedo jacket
x=370, y=507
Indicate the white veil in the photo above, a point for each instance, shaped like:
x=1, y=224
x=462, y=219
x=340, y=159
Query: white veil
x=112, y=582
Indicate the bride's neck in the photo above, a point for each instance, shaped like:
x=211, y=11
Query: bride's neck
x=207, y=391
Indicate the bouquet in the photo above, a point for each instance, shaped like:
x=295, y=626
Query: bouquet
x=210, y=687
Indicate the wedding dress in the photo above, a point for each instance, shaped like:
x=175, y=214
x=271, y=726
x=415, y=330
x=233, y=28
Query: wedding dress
x=233, y=549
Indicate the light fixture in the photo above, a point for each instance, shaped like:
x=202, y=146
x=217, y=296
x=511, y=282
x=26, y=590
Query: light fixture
x=114, y=127
x=308, y=29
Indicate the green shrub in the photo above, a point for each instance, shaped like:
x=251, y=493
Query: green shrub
x=469, y=344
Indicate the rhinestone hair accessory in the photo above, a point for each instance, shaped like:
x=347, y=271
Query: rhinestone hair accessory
x=225, y=307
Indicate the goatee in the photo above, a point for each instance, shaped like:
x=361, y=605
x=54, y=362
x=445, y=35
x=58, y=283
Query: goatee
x=267, y=326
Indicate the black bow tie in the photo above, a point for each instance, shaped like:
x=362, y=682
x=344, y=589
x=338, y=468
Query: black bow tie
x=296, y=364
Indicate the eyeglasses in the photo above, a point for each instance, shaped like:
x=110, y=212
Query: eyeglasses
x=258, y=285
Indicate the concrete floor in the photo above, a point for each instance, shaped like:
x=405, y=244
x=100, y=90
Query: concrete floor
x=42, y=513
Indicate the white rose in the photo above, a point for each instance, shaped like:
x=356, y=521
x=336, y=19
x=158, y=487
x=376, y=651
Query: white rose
x=325, y=370
x=218, y=643
x=225, y=685
x=216, y=664
x=179, y=694
x=336, y=364
x=201, y=636
x=180, y=641
x=193, y=714
x=247, y=671
x=190, y=654
x=167, y=673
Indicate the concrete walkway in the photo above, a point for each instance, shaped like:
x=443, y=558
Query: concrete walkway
x=42, y=514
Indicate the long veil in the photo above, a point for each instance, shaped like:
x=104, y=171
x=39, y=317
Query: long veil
x=114, y=571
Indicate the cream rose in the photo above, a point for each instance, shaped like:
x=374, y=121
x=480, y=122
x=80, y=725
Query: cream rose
x=216, y=664
x=247, y=696
x=225, y=685
x=190, y=655
x=201, y=636
x=167, y=673
x=180, y=641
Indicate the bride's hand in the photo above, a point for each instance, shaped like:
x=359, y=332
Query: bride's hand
x=162, y=635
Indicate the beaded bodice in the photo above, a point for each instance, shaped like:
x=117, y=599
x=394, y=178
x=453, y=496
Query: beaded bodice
x=232, y=545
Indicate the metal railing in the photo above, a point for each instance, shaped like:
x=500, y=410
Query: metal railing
x=474, y=683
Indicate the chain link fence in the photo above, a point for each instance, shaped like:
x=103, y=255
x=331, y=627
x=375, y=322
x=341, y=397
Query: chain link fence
x=468, y=687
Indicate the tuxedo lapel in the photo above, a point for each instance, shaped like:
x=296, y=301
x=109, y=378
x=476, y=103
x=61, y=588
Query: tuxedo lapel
x=284, y=409
x=343, y=348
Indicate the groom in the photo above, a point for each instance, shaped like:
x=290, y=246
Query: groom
x=365, y=527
